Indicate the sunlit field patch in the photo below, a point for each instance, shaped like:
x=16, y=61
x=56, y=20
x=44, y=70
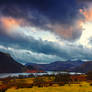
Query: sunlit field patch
x=82, y=87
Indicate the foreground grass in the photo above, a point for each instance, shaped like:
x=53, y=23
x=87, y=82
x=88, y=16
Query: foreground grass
x=82, y=87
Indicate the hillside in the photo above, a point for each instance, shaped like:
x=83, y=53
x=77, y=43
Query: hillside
x=9, y=65
x=86, y=67
x=56, y=66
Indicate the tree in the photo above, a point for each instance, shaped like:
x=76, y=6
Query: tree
x=38, y=81
x=62, y=78
x=89, y=75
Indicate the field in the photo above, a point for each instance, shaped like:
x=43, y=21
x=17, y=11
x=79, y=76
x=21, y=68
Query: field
x=47, y=83
x=82, y=87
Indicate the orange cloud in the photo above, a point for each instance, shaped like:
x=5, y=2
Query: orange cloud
x=9, y=23
x=67, y=31
x=87, y=14
x=61, y=30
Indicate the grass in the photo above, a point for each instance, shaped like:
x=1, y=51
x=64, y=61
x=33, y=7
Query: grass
x=82, y=87
x=26, y=80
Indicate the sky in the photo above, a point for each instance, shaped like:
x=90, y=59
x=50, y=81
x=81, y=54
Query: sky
x=45, y=31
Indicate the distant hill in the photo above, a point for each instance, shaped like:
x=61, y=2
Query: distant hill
x=56, y=66
x=9, y=65
x=85, y=67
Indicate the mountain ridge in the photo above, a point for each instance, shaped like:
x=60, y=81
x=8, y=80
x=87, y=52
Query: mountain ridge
x=57, y=65
x=9, y=65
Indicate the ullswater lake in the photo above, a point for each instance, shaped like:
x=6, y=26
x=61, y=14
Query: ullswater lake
x=4, y=75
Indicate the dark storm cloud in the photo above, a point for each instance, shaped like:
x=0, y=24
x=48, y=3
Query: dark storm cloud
x=41, y=13
x=61, y=11
x=20, y=49
x=59, y=16
x=38, y=46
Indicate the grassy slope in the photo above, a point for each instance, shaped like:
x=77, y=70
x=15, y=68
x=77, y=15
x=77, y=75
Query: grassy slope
x=73, y=88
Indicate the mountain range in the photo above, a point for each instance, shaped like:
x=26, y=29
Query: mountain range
x=9, y=65
x=56, y=66
x=85, y=67
x=69, y=66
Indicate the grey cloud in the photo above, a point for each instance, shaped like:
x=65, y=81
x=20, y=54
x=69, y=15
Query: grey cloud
x=40, y=13
x=49, y=51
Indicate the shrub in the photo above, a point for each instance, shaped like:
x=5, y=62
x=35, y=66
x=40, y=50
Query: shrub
x=3, y=90
x=89, y=75
x=24, y=86
x=38, y=81
x=62, y=78
x=90, y=84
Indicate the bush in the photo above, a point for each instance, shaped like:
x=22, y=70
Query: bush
x=90, y=84
x=38, y=81
x=30, y=76
x=62, y=78
x=89, y=75
x=3, y=90
x=24, y=85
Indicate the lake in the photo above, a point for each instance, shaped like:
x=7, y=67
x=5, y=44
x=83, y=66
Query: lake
x=4, y=75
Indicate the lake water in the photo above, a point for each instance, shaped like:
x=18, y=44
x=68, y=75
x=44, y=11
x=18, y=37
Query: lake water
x=4, y=75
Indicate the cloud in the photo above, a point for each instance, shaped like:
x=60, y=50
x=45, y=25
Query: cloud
x=8, y=24
x=68, y=32
x=44, y=30
x=39, y=46
x=27, y=56
x=46, y=52
x=59, y=15
x=87, y=13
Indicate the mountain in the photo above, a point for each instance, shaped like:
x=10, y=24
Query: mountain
x=9, y=65
x=56, y=66
x=85, y=67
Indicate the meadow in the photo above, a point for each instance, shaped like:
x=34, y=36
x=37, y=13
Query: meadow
x=47, y=83
x=82, y=87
